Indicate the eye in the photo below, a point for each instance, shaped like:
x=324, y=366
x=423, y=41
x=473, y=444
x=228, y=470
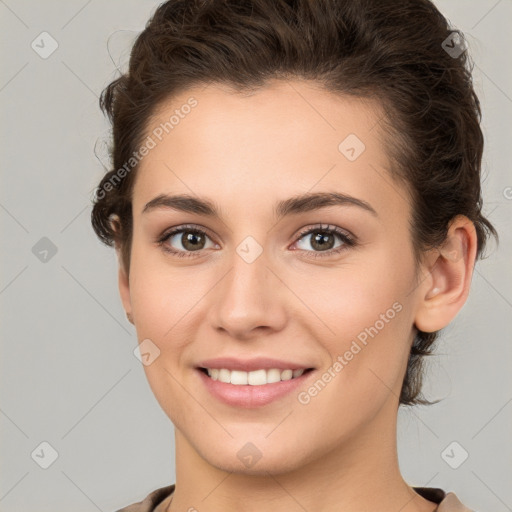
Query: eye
x=322, y=240
x=194, y=240
x=190, y=238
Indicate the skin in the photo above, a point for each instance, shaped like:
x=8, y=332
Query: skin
x=245, y=153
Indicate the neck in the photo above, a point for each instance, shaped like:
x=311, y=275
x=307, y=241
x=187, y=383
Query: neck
x=361, y=473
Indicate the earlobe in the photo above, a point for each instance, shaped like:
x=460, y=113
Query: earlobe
x=450, y=269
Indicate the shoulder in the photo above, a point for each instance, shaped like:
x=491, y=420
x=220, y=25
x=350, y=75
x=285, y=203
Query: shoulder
x=149, y=503
x=451, y=503
x=447, y=501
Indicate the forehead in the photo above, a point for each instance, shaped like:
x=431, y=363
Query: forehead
x=288, y=137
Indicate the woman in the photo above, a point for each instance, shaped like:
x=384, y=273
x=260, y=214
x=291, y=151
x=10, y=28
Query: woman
x=295, y=202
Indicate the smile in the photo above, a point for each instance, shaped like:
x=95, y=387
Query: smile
x=255, y=388
x=253, y=378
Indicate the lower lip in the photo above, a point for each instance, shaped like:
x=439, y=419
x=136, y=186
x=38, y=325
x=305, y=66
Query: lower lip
x=248, y=396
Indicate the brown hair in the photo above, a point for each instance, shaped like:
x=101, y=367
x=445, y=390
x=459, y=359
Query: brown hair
x=403, y=54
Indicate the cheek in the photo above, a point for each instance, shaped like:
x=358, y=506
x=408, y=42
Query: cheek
x=366, y=320
x=353, y=296
x=167, y=302
x=161, y=295
x=161, y=298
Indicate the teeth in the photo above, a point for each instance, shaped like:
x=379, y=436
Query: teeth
x=225, y=375
x=238, y=378
x=273, y=375
x=286, y=374
x=254, y=378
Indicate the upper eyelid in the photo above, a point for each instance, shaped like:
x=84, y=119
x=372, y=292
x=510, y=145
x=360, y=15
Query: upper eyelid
x=337, y=230
x=187, y=227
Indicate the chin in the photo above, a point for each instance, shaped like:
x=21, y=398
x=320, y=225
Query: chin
x=258, y=457
x=275, y=464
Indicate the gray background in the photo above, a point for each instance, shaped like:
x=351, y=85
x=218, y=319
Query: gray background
x=68, y=373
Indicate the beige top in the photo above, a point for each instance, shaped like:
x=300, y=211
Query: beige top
x=158, y=500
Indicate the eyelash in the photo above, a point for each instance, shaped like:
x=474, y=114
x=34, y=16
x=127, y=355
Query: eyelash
x=348, y=240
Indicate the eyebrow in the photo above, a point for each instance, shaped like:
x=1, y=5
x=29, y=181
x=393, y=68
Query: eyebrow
x=294, y=205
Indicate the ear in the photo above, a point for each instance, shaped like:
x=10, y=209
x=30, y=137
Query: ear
x=449, y=271
x=124, y=288
x=123, y=277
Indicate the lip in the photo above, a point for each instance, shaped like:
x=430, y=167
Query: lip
x=248, y=396
x=249, y=365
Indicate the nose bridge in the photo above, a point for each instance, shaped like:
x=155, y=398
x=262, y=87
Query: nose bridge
x=246, y=297
x=248, y=282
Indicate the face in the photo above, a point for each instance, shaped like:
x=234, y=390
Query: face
x=260, y=281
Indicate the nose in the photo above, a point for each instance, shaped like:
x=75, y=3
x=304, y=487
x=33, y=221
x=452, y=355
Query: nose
x=249, y=299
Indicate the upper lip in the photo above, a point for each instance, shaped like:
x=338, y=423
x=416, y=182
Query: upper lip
x=257, y=363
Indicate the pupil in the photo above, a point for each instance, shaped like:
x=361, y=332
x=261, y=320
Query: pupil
x=321, y=241
x=191, y=238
